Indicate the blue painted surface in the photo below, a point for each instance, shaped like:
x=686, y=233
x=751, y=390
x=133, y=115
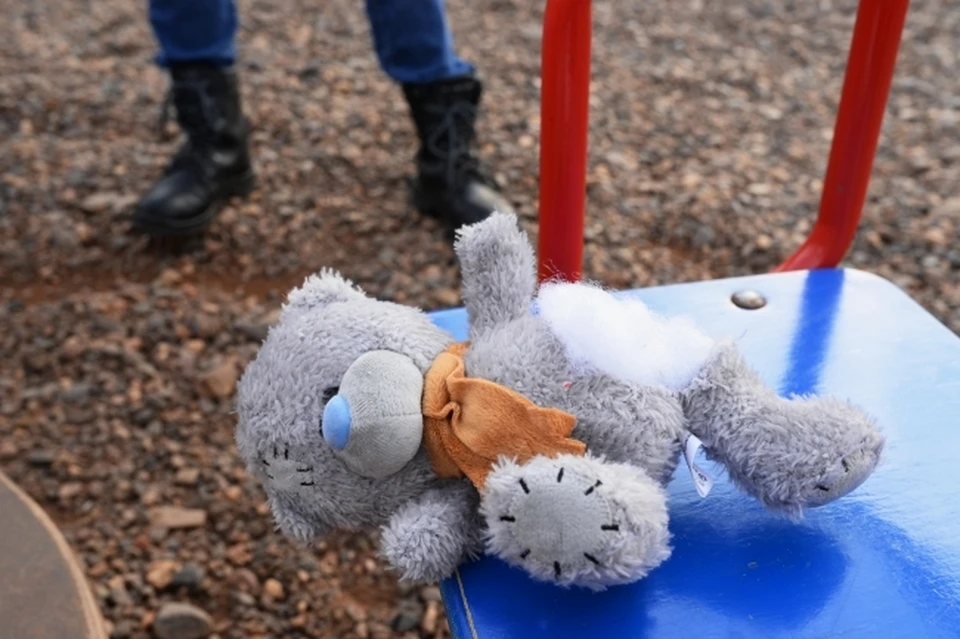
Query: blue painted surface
x=882, y=562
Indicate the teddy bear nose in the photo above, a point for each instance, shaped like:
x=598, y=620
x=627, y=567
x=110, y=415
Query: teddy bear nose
x=336, y=422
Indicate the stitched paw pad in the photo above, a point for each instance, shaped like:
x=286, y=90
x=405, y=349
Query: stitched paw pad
x=576, y=520
x=843, y=476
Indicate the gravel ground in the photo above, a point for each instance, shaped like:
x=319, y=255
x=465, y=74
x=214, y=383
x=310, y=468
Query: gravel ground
x=710, y=129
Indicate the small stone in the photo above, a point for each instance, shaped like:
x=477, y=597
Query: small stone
x=150, y=496
x=429, y=622
x=182, y=621
x=254, y=331
x=221, y=381
x=77, y=394
x=239, y=555
x=299, y=621
x=101, y=202
x=169, y=277
x=206, y=326
x=430, y=593
x=691, y=180
x=64, y=237
x=8, y=450
x=244, y=599
x=704, y=236
x=196, y=346
x=119, y=596
x=355, y=611
x=273, y=589
x=190, y=576
x=160, y=573
x=247, y=577
x=948, y=208
x=408, y=617
x=40, y=457
x=172, y=517
x=447, y=297
x=69, y=491
x=124, y=629
x=187, y=477
x=936, y=236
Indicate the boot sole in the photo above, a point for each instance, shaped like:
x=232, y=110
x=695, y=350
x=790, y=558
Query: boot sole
x=435, y=207
x=239, y=186
x=430, y=207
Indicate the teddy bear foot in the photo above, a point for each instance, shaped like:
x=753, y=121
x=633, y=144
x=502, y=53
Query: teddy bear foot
x=832, y=449
x=576, y=521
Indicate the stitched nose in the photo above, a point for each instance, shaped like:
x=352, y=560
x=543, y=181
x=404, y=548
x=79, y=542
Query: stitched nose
x=336, y=422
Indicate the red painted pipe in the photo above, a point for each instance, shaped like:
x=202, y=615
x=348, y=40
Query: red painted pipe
x=866, y=86
x=564, y=115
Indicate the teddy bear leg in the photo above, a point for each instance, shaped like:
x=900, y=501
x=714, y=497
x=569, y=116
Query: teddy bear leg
x=576, y=521
x=791, y=454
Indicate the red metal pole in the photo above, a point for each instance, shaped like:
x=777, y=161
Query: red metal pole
x=564, y=114
x=866, y=86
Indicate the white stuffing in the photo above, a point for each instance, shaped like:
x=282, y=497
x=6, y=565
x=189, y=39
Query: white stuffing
x=621, y=336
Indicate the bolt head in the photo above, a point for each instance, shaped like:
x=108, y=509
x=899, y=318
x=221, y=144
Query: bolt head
x=749, y=300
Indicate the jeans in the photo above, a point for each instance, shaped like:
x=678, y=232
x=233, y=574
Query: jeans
x=411, y=37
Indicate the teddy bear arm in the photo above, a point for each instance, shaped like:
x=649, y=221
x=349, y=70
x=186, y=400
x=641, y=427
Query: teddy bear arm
x=427, y=538
x=499, y=271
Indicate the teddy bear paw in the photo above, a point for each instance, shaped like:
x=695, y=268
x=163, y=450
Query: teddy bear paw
x=844, y=476
x=831, y=450
x=576, y=520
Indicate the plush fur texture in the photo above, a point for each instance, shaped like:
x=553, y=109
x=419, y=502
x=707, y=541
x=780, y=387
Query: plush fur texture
x=428, y=537
x=590, y=521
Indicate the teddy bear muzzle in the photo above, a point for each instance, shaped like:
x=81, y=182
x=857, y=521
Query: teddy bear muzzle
x=374, y=424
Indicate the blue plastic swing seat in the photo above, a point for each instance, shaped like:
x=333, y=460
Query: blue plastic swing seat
x=882, y=562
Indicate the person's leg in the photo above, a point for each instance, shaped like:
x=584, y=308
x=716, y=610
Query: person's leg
x=189, y=31
x=197, y=47
x=413, y=41
x=415, y=48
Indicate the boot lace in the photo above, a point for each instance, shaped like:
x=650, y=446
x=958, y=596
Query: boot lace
x=198, y=115
x=449, y=140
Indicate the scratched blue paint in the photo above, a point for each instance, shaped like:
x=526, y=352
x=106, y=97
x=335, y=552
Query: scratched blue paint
x=882, y=562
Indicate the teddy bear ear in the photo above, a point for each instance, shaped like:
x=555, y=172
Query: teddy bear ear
x=321, y=289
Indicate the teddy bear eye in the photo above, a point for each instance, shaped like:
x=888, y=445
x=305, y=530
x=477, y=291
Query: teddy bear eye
x=328, y=394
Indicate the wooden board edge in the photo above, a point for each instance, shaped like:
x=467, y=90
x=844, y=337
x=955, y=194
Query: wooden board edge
x=96, y=629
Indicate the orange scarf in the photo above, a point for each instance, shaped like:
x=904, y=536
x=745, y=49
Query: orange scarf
x=469, y=423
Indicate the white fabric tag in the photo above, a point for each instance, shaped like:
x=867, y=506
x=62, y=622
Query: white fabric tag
x=701, y=480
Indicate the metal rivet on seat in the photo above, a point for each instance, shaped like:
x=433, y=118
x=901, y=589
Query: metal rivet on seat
x=749, y=300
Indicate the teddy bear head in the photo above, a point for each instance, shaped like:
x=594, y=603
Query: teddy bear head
x=329, y=415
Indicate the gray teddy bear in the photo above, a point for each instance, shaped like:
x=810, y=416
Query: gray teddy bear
x=545, y=440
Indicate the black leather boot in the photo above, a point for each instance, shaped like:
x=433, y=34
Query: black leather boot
x=450, y=184
x=212, y=165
